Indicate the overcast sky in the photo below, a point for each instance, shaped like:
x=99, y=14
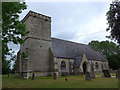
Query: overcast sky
x=80, y=22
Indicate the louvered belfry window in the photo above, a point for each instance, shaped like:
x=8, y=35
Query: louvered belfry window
x=63, y=65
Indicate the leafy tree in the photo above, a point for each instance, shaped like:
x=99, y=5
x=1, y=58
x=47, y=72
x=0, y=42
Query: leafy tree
x=12, y=28
x=113, y=17
x=114, y=61
x=5, y=67
x=14, y=59
x=110, y=49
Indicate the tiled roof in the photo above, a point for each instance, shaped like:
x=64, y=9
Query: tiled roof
x=68, y=49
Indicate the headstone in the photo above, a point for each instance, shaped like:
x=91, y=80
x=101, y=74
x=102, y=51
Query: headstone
x=33, y=76
x=92, y=75
x=54, y=75
x=21, y=75
x=8, y=74
x=118, y=74
x=66, y=79
x=87, y=76
x=106, y=73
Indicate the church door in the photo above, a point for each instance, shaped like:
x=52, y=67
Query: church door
x=84, y=67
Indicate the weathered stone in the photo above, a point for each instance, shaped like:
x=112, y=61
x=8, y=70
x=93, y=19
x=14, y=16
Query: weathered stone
x=106, y=73
x=118, y=74
x=87, y=76
x=54, y=76
x=36, y=45
x=44, y=54
x=92, y=75
x=33, y=76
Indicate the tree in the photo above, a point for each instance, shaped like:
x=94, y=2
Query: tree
x=110, y=49
x=113, y=17
x=5, y=67
x=12, y=28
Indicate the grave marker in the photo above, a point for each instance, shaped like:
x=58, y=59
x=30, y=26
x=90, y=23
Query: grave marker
x=54, y=75
x=118, y=74
x=87, y=76
x=92, y=75
x=106, y=73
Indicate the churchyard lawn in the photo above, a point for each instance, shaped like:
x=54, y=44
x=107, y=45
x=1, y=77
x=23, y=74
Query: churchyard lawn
x=49, y=82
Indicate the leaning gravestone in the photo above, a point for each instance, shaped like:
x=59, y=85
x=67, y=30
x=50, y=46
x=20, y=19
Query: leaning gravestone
x=118, y=74
x=87, y=76
x=92, y=75
x=106, y=73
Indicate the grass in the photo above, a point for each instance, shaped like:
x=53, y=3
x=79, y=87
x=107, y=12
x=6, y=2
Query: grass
x=49, y=82
x=112, y=74
x=0, y=81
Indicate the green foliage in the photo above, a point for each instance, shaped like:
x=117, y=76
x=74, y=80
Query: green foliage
x=12, y=28
x=110, y=49
x=114, y=61
x=113, y=17
x=5, y=67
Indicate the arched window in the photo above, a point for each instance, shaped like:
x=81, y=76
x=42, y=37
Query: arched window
x=96, y=65
x=63, y=65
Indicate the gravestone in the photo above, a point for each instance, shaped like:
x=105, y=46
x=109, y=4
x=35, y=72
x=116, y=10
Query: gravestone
x=118, y=74
x=33, y=76
x=21, y=75
x=106, y=73
x=8, y=74
x=87, y=76
x=92, y=75
x=54, y=75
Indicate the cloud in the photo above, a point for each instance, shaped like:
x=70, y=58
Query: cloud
x=15, y=47
x=86, y=18
x=93, y=30
x=71, y=20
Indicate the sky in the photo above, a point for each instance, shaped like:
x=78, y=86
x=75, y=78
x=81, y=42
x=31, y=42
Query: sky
x=80, y=22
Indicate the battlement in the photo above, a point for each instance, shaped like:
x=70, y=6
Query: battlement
x=37, y=15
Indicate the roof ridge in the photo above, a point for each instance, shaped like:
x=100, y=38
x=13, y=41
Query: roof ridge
x=69, y=41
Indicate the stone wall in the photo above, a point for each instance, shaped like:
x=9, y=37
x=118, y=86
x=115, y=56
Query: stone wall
x=39, y=26
x=101, y=65
x=38, y=54
x=69, y=65
x=84, y=59
x=37, y=44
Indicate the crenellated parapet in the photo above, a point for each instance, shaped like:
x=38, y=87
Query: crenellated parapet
x=37, y=15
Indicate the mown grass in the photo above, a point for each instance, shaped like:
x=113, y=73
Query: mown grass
x=49, y=82
x=101, y=74
x=0, y=81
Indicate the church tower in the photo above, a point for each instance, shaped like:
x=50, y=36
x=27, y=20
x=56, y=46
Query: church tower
x=34, y=53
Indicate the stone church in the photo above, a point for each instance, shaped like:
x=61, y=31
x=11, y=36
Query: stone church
x=43, y=55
